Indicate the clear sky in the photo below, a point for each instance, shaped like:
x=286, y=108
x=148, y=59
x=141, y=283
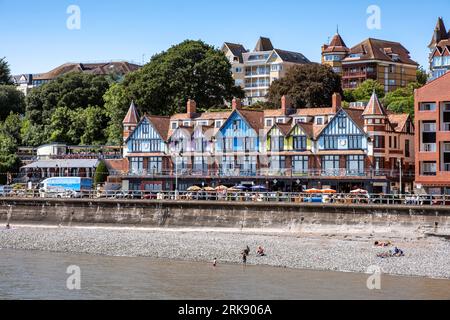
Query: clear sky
x=34, y=36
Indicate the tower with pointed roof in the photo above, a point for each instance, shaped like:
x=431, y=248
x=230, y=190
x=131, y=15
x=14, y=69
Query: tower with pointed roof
x=130, y=121
x=334, y=53
x=439, y=50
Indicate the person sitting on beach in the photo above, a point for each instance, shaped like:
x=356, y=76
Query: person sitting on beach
x=397, y=252
x=260, y=252
x=382, y=244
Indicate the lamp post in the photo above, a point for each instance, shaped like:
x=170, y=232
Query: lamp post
x=400, y=172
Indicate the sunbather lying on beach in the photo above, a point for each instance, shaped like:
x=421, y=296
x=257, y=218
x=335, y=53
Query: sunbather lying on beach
x=382, y=244
x=396, y=252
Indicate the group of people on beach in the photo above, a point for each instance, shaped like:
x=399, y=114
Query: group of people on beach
x=395, y=252
x=260, y=252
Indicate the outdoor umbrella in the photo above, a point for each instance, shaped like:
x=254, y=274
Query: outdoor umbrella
x=233, y=190
x=221, y=188
x=328, y=191
x=240, y=187
x=194, y=188
x=313, y=190
x=259, y=188
x=359, y=191
x=209, y=189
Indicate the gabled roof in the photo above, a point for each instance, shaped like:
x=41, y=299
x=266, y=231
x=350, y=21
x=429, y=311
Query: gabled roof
x=354, y=115
x=264, y=44
x=311, y=112
x=398, y=121
x=236, y=49
x=132, y=116
x=285, y=128
x=254, y=118
x=161, y=125
x=374, y=107
x=308, y=128
x=375, y=49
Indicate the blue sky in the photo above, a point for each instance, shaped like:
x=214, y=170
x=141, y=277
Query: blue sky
x=34, y=36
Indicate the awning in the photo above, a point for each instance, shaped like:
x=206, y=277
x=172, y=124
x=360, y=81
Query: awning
x=63, y=163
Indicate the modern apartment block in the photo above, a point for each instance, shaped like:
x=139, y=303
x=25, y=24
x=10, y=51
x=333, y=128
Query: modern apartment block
x=26, y=82
x=387, y=62
x=432, y=117
x=439, y=50
x=284, y=149
x=256, y=70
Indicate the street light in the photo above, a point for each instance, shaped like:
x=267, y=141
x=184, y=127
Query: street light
x=400, y=171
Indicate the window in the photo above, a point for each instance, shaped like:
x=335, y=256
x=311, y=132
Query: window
x=280, y=120
x=330, y=142
x=154, y=165
x=269, y=122
x=136, y=165
x=342, y=123
x=390, y=142
x=319, y=121
x=354, y=142
x=277, y=162
x=355, y=165
x=407, y=149
x=249, y=144
x=379, y=142
x=427, y=106
x=395, y=142
x=236, y=125
x=186, y=123
x=202, y=123
x=218, y=123
x=299, y=164
x=300, y=120
x=299, y=143
x=174, y=125
x=330, y=164
x=429, y=168
x=392, y=82
x=391, y=68
x=145, y=129
x=238, y=70
x=429, y=126
x=200, y=165
x=277, y=143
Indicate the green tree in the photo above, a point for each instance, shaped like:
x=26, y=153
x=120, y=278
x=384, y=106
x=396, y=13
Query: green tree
x=12, y=127
x=365, y=90
x=11, y=100
x=308, y=85
x=95, y=122
x=5, y=73
x=116, y=106
x=422, y=76
x=101, y=173
x=9, y=161
x=402, y=99
x=189, y=70
x=73, y=90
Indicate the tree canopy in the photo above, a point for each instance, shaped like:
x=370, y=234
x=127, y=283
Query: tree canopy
x=402, y=99
x=364, y=91
x=308, y=85
x=73, y=90
x=5, y=73
x=11, y=100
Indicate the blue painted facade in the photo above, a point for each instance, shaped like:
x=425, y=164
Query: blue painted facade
x=342, y=133
x=145, y=139
x=236, y=135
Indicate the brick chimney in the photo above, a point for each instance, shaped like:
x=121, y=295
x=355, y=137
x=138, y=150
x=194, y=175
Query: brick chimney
x=236, y=104
x=336, y=102
x=286, y=104
x=191, y=107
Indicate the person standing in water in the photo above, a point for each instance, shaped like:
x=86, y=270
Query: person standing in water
x=215, y=262
x=244, y=259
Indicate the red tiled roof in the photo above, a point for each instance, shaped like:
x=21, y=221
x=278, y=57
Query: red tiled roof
x=374, y=107
x=375, y=49
x=314, y=112
x=398, y=121
x=161, y=125
x=132, y=116
x=254, y=118
x=337, y=44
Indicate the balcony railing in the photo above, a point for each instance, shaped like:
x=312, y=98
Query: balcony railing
x=446, y=127
x=268, y=172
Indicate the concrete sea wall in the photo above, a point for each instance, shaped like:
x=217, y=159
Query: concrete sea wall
x=234, y=215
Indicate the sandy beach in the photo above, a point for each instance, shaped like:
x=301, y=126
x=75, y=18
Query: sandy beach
x=424, y=256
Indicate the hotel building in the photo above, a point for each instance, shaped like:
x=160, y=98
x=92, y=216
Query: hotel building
x=255, y=71
x=432, y=117
x=284, y=149
x=387, y=62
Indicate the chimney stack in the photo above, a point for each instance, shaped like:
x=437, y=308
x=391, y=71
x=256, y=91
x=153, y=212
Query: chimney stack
x=286, y=104
x=191, y=107
x=336, y=102
x=236, y=104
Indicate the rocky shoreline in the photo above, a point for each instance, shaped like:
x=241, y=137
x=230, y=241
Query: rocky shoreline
x=424, y=257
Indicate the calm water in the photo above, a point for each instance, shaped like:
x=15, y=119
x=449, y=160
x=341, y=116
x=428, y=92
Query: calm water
x=42, y=275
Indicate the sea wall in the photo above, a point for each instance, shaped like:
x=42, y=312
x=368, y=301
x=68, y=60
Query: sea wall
x=215, y=214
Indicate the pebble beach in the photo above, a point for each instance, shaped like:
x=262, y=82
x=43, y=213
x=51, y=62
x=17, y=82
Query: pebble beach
x=424, y=257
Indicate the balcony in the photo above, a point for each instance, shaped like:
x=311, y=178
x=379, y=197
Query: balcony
x=445, y=126
x=360, y=74
x=428, y=147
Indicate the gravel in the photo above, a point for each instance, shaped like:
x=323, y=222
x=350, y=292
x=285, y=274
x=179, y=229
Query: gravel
x=424, y=257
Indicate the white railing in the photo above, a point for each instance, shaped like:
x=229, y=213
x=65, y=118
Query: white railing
x=428, y=147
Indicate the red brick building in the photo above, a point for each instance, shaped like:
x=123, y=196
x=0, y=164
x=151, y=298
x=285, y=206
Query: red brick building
x=432, y=110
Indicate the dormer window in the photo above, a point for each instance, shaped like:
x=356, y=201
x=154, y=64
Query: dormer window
x=186, y=123
x=280, y=120
x=319, y=120
x=218, y=124
x=174, y=125
x=269, y=122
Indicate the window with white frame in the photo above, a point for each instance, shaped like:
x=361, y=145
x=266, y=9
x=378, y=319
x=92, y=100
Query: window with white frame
x=269, y=122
